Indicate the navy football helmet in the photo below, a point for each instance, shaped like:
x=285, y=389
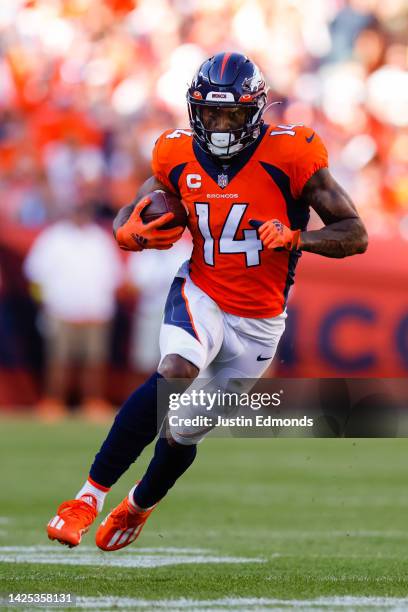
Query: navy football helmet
x=227, y=81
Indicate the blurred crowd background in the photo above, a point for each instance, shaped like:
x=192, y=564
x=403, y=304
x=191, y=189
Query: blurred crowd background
x=86, y=86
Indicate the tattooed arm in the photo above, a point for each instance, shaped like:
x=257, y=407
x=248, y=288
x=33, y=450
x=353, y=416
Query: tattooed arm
x=344, y=233
x=151, y=184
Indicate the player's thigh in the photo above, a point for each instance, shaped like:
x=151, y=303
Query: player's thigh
x=249, y=347
x=192, y=325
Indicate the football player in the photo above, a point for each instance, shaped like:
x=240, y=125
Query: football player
x=248, y=187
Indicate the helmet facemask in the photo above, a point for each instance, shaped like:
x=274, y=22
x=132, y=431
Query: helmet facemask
x=231, y=136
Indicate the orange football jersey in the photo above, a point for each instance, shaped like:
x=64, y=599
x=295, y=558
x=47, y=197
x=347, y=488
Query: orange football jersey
x=264, y=182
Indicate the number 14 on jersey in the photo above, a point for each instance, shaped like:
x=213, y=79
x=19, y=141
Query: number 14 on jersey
x=228, y=243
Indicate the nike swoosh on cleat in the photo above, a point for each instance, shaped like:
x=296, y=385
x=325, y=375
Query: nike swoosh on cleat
x=310, y=138
x=260, y=358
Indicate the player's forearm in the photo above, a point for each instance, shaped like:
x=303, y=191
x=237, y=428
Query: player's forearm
x=340, y=239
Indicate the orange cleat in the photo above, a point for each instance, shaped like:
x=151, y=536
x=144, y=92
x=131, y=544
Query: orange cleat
x=73, y=519
x=121, y=527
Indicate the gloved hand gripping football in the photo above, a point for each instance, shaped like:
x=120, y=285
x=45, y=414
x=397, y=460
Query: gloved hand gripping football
x=134, y=235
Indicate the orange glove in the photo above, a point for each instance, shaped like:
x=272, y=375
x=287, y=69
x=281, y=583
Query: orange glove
x=275, y=235
x=134, y=235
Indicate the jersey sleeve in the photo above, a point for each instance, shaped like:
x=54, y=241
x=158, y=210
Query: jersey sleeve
x=161, y=162
x=310, y=156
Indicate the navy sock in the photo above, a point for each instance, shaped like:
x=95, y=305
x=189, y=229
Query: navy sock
x=135, y=426
x=168, y=464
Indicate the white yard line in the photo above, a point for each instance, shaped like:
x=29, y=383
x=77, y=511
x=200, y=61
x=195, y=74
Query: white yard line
x=244, y=604
x=326, y=604
x=52, y=548
x=138, y=558
x=153, y=557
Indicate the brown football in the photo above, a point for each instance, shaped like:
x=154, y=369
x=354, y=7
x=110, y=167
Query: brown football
x=161, y=203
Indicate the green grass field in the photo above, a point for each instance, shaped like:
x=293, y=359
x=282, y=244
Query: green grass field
x=254, y=525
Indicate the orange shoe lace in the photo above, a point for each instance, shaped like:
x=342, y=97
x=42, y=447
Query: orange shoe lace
x=78, y=510
x=123, y=519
